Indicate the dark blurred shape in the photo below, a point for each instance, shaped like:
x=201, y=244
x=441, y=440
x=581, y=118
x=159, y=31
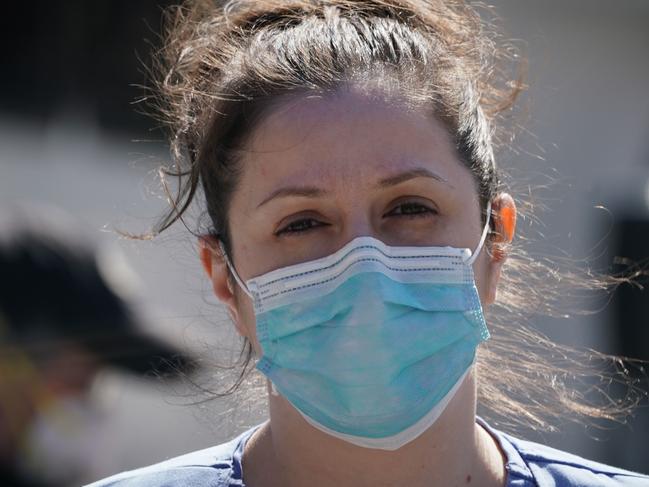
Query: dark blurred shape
x=631, y=331
x=53, y=294
x=64, y=316
x=61, y=55
x=631, y=303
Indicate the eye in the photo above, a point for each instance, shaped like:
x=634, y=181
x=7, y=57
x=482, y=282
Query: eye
x=299, y=226
x=411, y=209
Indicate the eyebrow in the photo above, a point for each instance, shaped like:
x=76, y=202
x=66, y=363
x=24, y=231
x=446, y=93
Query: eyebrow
x=303, y=191
x=412, y=174
x=314, y=191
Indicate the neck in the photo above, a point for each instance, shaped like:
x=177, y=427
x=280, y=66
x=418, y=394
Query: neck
x=453, y=451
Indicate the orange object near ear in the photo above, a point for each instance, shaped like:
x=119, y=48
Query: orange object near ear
x=507, y=217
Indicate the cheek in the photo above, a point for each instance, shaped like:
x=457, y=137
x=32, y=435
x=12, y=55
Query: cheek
x=246, y=321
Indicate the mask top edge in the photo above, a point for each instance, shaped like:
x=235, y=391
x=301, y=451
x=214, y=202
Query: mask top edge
x=355, y=246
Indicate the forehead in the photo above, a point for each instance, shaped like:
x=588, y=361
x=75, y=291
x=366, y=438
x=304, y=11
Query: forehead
x=347, y=137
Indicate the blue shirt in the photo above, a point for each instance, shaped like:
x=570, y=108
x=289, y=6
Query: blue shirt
x=528, y=465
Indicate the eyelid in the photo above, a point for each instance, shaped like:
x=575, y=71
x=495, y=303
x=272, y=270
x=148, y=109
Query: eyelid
x=316, y=219
x=423, y=202
x=283, y=227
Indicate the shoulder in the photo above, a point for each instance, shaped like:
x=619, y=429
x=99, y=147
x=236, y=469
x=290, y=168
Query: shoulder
x=533, y=464
x=217, y=466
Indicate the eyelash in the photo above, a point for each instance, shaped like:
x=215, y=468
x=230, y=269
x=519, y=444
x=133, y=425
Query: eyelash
x=287, y=229
x=422, y=211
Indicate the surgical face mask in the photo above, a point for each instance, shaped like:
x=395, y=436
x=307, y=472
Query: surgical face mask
x=371, y=343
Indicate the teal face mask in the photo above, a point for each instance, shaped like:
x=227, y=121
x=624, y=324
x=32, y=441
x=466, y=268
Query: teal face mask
x=372, y=342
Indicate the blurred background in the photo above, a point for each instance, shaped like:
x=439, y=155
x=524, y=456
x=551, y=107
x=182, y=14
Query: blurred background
x=71, y=138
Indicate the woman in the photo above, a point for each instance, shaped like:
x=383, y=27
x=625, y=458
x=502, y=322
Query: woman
x=359, y=227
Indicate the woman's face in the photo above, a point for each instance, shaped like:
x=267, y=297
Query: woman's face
x=318, y=172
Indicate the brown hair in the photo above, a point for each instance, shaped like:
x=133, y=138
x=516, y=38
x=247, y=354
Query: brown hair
x=224, y=63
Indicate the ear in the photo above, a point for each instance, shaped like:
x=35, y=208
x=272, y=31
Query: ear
x=216, y=268
x=503, y=211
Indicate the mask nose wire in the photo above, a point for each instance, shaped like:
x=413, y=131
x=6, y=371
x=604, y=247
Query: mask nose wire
x=483, y=237
x=240, y=282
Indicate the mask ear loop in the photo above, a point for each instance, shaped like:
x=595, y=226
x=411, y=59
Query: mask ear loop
x=483, y=237
x=243, y=287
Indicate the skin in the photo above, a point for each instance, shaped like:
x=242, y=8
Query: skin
x=317, y=173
